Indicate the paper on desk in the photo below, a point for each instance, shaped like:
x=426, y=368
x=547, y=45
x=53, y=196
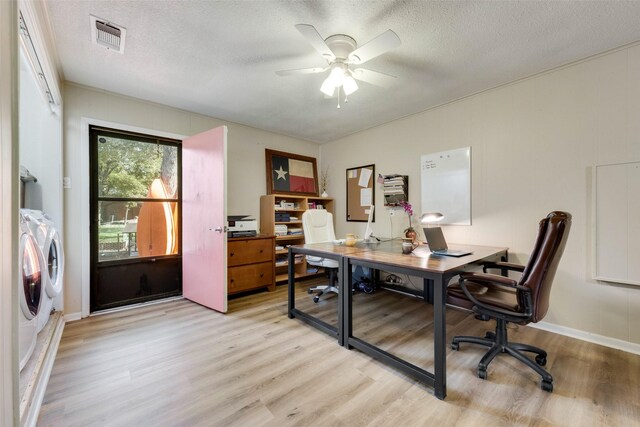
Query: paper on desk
x=365, y=196
x=364, y=177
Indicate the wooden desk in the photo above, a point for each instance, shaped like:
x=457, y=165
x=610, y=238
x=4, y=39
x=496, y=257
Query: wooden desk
x=436, y=271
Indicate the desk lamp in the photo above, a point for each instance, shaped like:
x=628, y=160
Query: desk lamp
x=429, y=217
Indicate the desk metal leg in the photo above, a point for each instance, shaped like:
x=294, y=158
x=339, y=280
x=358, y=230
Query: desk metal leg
x=292, y=284
x=427, y=293
x=440, y=336
x=347, y=303
x=343, y=290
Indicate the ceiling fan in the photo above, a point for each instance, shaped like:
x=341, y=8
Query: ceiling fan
x=341, y=52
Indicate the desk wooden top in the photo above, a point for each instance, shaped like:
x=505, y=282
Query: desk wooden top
x=390, y=253
x=329, y=248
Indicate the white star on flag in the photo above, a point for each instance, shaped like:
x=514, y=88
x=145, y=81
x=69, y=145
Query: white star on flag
x=281, y=173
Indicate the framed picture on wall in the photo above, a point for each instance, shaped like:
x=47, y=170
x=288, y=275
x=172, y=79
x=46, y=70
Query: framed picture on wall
x=289, y=173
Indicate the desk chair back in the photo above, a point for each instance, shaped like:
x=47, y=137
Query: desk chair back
x=318, y=226
x=539, y=272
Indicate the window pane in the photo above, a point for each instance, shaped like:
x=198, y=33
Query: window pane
x=128, y=168
x=137, y=229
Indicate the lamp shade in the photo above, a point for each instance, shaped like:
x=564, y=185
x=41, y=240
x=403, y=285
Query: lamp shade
x=429, y=217
x=328, y=88
x=349, y=85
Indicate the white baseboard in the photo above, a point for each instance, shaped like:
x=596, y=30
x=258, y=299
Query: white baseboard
x=72, y=317
x=589, y=337
x=33, y=411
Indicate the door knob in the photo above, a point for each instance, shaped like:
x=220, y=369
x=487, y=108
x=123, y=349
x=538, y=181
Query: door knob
x=218, y=229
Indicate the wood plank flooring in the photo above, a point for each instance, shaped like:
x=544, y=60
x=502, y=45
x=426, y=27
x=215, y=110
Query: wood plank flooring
x=180, y=364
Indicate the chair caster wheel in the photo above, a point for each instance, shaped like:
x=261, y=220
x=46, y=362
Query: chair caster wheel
x=482, y=373
x=546, y=386
x=490, y=336
x=541, y=360
x=455, y=346
x=309, y=291
x=316, y=299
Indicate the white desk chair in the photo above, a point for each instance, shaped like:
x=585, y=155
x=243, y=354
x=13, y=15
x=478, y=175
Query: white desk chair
x=318, y=228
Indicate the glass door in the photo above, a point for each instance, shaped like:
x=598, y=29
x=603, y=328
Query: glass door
x=135, y=218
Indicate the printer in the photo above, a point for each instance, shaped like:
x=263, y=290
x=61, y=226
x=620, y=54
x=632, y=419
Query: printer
x=241, y=226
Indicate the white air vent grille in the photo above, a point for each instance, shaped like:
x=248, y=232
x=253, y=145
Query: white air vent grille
x=107, y=34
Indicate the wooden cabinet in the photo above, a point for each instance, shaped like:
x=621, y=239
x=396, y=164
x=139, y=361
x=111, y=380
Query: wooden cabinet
x=250, y=263
x=291, y=208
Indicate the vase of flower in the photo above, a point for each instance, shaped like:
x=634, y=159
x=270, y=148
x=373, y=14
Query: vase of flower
x=410, y=232
x=324, y=182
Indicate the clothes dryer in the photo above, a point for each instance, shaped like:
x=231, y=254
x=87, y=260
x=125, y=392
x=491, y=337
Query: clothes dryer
x=30, y=290
x=49, y=243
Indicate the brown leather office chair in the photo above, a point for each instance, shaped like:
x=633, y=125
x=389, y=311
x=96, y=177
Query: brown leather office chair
x=507, y=300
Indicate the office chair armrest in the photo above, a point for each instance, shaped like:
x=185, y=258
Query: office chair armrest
x=490, y=279
x=503, y=266
x=494, y=280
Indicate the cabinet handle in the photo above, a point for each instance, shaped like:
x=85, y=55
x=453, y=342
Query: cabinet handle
x=231, y=254
x=231, y=280
x=261, y=250
x=261, y=275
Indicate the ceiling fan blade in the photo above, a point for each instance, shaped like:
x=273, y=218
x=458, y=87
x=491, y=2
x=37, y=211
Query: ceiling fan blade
x=374, y=77
x=381, y=44
x=316, y=40
x=313, y=70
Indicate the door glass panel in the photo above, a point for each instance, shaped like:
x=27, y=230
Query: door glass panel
x=136, y=229
x=31, y=276
x=52, y=262
x=135, y=218
x=134, y=169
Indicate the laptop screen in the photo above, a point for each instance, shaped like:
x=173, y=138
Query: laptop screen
x=435, y=239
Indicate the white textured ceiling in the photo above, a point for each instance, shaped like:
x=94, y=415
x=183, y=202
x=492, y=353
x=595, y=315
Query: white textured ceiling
x=219, y=57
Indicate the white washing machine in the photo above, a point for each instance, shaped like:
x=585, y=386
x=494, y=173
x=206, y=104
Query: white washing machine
x=49, y=243
x=30, y=291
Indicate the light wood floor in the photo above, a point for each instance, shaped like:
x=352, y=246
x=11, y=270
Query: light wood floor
x=180, y=364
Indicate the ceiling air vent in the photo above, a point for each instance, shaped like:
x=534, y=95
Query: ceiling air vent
x=107, y=34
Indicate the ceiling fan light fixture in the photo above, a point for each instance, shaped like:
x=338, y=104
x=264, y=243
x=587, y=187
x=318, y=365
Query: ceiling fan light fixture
x=337, y=75
x=349, y=85
x=328, y=88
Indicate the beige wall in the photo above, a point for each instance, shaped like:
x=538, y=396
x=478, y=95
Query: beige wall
x=533, y=144
x=246, y=177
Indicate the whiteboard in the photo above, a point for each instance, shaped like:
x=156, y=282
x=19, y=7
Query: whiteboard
x=617, y=223
x=446, y=185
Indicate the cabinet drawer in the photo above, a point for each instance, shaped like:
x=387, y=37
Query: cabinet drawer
x=250, y=276
x=249, y=251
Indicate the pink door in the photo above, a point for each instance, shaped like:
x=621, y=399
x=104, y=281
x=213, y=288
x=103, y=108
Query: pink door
x=204, y=254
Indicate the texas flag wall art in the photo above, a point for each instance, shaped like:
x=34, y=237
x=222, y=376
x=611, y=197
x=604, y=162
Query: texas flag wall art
x=289, y=175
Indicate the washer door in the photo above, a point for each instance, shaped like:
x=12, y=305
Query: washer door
x=54, y=258
x=31, y=276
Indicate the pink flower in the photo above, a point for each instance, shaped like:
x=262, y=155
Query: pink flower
x=407, y=207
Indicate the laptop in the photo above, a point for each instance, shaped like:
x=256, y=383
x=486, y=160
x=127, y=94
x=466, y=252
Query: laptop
x=438, y=245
